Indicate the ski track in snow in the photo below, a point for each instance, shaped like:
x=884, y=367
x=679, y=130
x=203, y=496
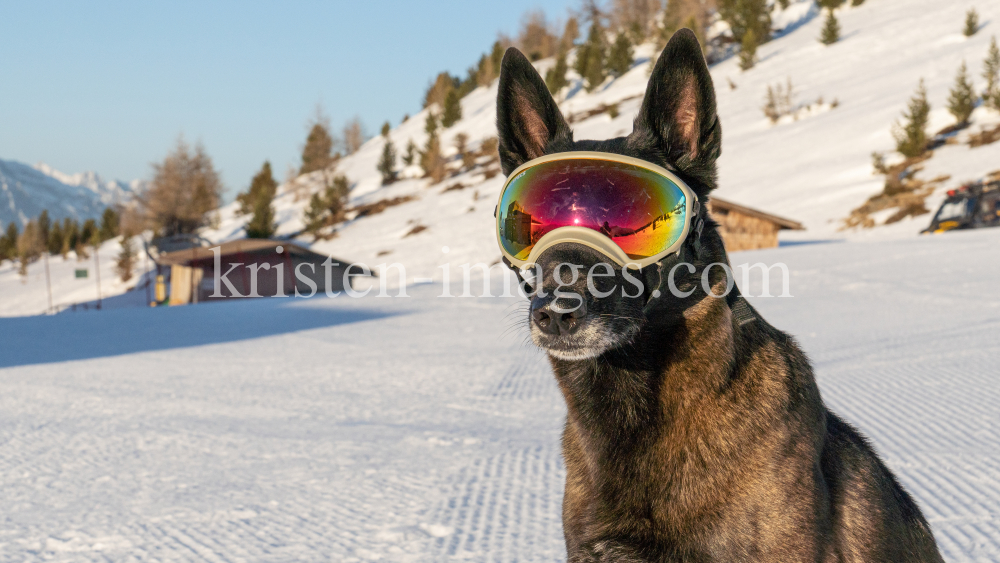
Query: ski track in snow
x=427, y=429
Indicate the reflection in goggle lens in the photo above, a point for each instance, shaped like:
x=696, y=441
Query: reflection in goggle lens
x=640, y=210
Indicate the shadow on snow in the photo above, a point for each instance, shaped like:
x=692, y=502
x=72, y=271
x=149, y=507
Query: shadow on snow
x=80, y=336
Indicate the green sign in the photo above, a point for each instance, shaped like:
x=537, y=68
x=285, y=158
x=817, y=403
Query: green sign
x=81, y=273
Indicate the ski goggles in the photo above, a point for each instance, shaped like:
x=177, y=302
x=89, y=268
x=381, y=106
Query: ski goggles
x=630, y=210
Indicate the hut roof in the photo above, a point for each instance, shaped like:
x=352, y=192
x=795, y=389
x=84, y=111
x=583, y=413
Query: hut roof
x=193, y=254
x=722, y=205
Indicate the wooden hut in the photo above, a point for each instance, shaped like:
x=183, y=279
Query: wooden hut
x=743, y=228
x=253, y=268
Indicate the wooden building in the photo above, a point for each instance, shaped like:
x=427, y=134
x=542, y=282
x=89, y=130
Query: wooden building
x=743, y=228
x=252, y=267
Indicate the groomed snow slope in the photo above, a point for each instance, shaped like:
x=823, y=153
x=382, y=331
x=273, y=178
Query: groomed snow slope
x=424, y=429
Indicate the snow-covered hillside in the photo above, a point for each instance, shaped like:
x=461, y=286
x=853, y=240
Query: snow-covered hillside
x=27, y=190
x=29, y=295
x=814, y=170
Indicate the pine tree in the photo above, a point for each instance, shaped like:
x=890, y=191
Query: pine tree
x=431, y=159
x=314, y=215
x=44, y=224
x=327, y=207
x=318, y=152
x=488, y=67
x=746, y=15
x=484, y=71
x=387, y=162
x=620, y=59
x=439, y=89
x=971, y=22
x=462, y=147
x=590, y=57
x=126, y=258
x=71, y=230
x=962, y=99
x=831, y=29
x=8, y=243
x=55, y=242
x=87, y=232
x=411, y=152
x=555, y=77
x=109, y=224
x=671, y=22
x=748, y=50
x=496, y=55
x=258, y=201
x=571, y=32
x=386, y=128
x=911, y=136
x=430, y=124
x=338, y=191
x=470, y=83
x=452, y=109
x=830, y=4
x=991, y=72
x=262, y=185
x=28, y=246
x=857, y=2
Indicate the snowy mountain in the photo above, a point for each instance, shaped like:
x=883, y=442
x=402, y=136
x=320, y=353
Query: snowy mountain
x=814, y=167
x=26, y=190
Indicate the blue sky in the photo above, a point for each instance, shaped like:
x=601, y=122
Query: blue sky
x=109, y=86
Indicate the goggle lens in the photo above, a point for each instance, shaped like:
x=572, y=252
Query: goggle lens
x=641, y=211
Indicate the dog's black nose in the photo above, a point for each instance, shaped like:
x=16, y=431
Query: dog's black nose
x=558, y=319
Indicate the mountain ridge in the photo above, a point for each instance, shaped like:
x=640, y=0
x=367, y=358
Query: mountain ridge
x=25, y=191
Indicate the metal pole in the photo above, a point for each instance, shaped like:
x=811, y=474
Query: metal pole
x=97, y=266
x=191, y=298
x=145, y=261
x=48, y=281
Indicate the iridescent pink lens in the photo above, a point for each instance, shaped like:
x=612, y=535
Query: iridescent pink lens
x=640, y=210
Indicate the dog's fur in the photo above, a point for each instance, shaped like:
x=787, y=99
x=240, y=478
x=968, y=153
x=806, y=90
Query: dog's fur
x=691, y=436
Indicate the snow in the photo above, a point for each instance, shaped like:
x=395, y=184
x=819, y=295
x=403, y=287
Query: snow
x=285, y=430
x=28, y=295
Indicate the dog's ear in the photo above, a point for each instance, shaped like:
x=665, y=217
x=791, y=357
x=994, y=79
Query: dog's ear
x=677, y=117
x=528, y=119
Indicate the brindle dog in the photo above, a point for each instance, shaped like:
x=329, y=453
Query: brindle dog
x=695, y=430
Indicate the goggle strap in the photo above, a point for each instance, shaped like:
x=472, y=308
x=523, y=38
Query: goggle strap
x=743, y=313
x=517, y=271
x=699, y=225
